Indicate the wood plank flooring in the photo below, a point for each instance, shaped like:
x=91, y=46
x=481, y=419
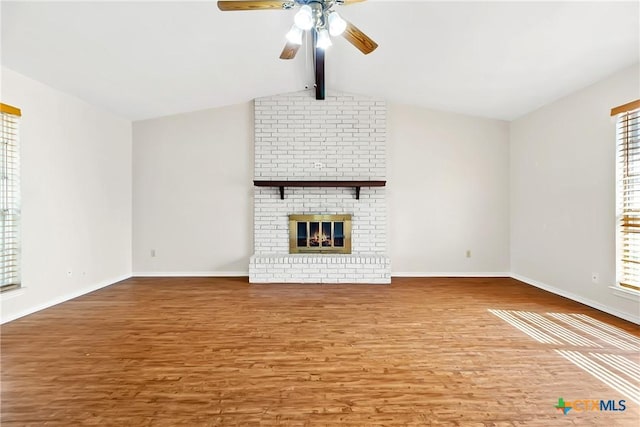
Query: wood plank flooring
x=209, y=352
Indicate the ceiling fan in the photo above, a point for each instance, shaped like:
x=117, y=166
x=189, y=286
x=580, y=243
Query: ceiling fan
x=317, y=16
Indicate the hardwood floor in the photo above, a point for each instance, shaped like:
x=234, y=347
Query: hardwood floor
x=207, y=352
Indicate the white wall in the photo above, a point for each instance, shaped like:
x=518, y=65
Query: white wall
x=192, y=192
x=448, y=192
x=447, y=186
x=563, y=194
x=76, y=196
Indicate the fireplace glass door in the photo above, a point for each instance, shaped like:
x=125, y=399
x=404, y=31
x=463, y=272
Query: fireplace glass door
x=320, y=233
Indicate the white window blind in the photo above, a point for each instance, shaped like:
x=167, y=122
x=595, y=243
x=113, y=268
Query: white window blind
x=9, y=199
x=628, y=194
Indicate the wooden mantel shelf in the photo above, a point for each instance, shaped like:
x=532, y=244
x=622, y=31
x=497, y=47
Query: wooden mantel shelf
x=352, y=184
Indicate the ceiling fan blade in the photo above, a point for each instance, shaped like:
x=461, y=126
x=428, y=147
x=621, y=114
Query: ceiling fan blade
x=229, y=5
x=359, y=39
x=289, y=51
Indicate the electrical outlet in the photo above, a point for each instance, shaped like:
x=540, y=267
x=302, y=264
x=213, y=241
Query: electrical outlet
x=595, y=277
x=69, y=272
x=468, y=254
x=318, y=165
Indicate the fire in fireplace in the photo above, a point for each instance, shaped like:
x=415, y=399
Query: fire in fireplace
x=320, y=234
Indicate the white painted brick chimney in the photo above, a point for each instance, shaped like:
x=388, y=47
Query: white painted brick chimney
x=300, y=138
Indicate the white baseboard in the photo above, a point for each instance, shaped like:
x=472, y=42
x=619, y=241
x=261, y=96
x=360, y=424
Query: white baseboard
x=452, y=274
x=191, y=274
x=58, y=300
x=578, y=298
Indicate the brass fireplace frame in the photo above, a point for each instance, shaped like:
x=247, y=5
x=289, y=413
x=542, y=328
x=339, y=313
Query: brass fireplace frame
x=293, y=238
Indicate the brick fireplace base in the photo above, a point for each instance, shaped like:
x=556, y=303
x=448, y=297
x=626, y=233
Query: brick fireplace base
x=304, y=268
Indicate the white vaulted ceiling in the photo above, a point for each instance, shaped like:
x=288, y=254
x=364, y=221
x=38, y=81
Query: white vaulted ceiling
x=150, y=59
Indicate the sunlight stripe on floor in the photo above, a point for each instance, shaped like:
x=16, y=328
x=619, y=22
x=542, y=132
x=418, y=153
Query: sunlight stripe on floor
x=620, y=363
x=524, y=327
x=611, y=379
x=591, y=330
x=556, y=329
x=616, y=331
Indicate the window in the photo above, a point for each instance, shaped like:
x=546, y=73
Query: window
x=9, y=199
x=628, y=194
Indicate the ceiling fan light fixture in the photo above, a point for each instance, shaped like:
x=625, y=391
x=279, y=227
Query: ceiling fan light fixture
x=295, y=35
x=324, y=41
x=304, y=18
x=337, y=25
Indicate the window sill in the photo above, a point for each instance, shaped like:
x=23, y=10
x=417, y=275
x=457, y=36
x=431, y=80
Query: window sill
x=5, y=296
x=625, y=293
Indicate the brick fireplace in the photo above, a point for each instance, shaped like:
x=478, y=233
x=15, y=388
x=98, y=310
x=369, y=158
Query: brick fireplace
x=298, y=138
